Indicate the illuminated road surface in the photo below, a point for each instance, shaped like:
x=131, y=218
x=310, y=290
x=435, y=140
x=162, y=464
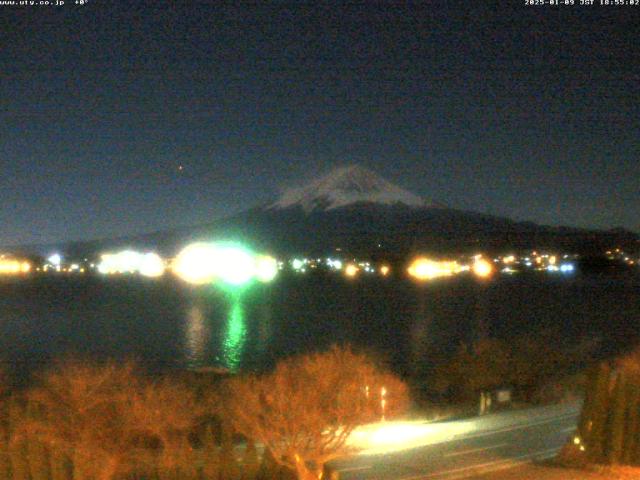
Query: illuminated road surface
x=460, y=449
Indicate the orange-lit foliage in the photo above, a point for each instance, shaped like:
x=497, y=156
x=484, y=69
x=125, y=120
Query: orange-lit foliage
x=305, y=410
x=83, y=413
x=630, y=363
x=163, y=414
x=109, y=422
x=609, y=427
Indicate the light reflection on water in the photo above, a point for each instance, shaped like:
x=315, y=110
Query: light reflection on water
x=235, y=335
x=214, y=340
x=168, y=325
x=197, y=335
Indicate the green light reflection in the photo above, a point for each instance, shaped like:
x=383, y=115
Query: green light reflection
x=235, y=335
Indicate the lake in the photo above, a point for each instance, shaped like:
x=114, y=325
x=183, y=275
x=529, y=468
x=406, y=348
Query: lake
x=165, y=323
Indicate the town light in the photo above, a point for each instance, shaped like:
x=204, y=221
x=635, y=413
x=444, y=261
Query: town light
x=335, y=264
x=151, y=265
x=266, y=268
x=55, y=259
x=482, y=268
x=351, y=270
x=234, y=265
x=423, y=268
x=567, y=268
x=201, y=263
x=196, y=263
x=128, y=261
x=11, y=266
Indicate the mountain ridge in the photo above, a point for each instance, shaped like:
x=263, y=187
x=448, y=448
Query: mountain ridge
x=356, y=210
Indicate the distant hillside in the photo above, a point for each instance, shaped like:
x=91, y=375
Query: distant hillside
x=357, y=211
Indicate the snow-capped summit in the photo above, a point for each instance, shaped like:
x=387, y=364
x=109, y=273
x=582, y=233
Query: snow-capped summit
x=344, y=186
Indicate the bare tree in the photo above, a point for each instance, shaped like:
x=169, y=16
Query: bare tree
x=83, y=412
x=162, y=415
x=305, y=410
x=110, y=422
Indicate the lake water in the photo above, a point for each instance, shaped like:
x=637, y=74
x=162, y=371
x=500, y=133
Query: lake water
x=164, y=323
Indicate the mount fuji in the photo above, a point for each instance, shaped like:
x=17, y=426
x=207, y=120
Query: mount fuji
x=346, y=186
x=357, y=211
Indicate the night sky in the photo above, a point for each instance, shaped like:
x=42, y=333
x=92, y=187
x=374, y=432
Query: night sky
x=527, y=112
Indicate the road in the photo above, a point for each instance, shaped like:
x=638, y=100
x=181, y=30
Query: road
x=460, y=449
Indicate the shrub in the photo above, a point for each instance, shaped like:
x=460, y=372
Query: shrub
x=305, y=410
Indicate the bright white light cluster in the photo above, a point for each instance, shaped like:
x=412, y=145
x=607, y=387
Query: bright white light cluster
x=129, y=261
x=387, y=437
x=14, y=266
x=350, y=268
x=423, y=268
x=201, y=263
x=334, y=264
x=299, y=264
x=55, y=259
x=366, y=267
x=266, y=268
